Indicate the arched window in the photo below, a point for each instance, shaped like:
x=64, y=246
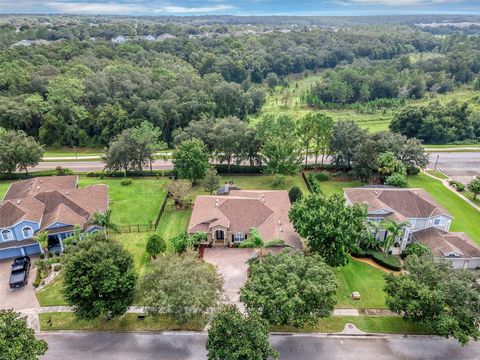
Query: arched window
x=7, y=235
x=27, y=232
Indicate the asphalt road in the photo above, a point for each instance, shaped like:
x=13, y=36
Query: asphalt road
x=183, y=346
x=92, y=165
x=461, y=166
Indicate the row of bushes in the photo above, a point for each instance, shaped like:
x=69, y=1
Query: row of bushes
x=319, y=167
x=239, y=169
x=390, y=262
x=133, y=173
x=59, y=171
x=457, y=185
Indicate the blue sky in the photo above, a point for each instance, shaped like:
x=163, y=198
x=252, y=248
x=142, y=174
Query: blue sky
x=241, y=7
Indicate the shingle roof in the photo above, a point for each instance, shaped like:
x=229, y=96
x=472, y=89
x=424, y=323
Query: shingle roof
x=31, y=187
x=443, y=243
x=401, y=203
x=70, y=206
x=241, y=210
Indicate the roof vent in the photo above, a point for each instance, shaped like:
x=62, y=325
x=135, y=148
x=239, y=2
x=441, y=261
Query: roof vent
x=375, y=192
x=19, y=201
x=216, y=202
x=41, y=181
x=38, y=187
x=279, y=221
x=66, y=193
x=263, y=197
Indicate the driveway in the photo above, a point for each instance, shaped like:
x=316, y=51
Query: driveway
x=17, y=299
x=232, y=264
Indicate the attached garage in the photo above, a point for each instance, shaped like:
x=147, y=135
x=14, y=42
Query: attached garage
x=32, y=249
x=10, y=253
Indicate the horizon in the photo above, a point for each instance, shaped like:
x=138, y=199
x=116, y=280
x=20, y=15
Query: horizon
x=324, y=8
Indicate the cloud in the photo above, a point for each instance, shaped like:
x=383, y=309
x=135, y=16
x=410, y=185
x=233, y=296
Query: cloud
x=186, y=10
x=400, y=2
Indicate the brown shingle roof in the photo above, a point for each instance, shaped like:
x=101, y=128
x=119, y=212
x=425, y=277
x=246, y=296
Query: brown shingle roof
x=31, y=187
x=14, y=211
x=241, y=210
x=402, y=203
x=442, y=243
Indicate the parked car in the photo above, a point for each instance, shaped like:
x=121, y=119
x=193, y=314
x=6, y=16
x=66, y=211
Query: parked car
x=20, y=271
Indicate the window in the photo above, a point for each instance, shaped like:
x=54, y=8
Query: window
x=7, y=235
x=439, y=222
x=27, y=232
x=238, y=237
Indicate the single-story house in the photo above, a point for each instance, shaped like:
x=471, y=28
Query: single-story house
x=52, y=204
x=228, y=219
x=426, y=221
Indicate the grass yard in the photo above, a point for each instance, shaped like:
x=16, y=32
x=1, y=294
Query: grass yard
x=67, y=151
x=364, y=278
x=437, y=174
x=370, y=324
x=51, y=295
x=173, y=223
x=4, y=185
x=466, y=217
x=264, y=182
x=128, y=322
x=332, y=187
x=138, y=203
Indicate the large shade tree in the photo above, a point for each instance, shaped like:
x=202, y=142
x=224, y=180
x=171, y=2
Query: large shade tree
x=290, y=289
x=235, y=336
x=431, y=293
x=330, y=227
x=18, y=151
x=182, y=286
x=190, y=160
x=17, y=340
x=99, y=278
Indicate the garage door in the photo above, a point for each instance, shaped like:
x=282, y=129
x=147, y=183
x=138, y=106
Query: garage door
x=10, y=253
x=32, y=249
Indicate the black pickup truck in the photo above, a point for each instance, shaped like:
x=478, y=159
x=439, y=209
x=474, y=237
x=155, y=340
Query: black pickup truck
x=20, y=271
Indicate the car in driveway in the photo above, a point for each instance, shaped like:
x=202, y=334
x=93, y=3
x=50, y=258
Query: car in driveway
x=20, y=271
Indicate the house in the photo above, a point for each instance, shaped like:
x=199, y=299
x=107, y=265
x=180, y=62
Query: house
x=425, y=221
x=166, y=36
x=228, y=219
x=119, y=39
x=52, y=204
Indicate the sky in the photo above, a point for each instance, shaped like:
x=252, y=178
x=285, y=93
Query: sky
x=242, y=7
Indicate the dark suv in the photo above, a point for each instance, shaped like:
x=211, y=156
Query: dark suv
x=20, y=271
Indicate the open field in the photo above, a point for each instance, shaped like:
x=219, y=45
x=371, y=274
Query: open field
x=366, y=279
x=67, y=151
x=138, y=203
x=466, y=217
x=128, y=322
x=288, y=102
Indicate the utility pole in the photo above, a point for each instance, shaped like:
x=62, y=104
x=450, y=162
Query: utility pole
x=436, y=163
x=75, y=149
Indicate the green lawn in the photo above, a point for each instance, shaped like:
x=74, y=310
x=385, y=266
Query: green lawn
x=51, y=295
x=437, y=174
x=331, y=187
x=370, y=324
x=128, y=322
x=173, y=223
x=364, y=278
x=4, y=185
x=466, y=217
x=138, y=203
x=67, y=151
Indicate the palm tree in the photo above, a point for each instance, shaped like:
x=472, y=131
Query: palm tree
x=104, y=220
x=393, y=231
x=42, y=240
x=256, y=241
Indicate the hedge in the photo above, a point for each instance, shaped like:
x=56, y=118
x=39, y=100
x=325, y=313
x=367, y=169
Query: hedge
x=390, y=262
x=22, y=176
x=239, y=169
x=133, y=173
x=457, y=185
x=319, y=167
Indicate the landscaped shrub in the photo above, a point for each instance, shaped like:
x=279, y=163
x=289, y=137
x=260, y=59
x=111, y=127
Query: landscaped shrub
x=278, y=182
x=390, y=262
x=413, y=170
x=319, y=167
x=57, y=253
x=239, y=169
x=155, y=245
x=457, y=185
x=62, y=171
x=43, y=270
x=57, y=267
x=415, y=249
x=397, y=180
x=322, y=176
x=295, y=194
x=126, y=182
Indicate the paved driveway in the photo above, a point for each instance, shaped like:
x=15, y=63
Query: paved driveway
x=231, y=263
x=17, y=299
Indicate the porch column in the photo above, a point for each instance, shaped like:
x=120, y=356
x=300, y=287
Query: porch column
x=403, y=243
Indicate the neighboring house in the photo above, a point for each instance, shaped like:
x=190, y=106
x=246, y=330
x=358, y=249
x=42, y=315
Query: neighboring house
x=227, y=219
x=119, y=39
x=52, y=204
x=148, y=38
x=166, y=36
x=428, y=222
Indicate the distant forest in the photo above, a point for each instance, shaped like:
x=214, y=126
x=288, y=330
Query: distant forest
x=81, y=88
